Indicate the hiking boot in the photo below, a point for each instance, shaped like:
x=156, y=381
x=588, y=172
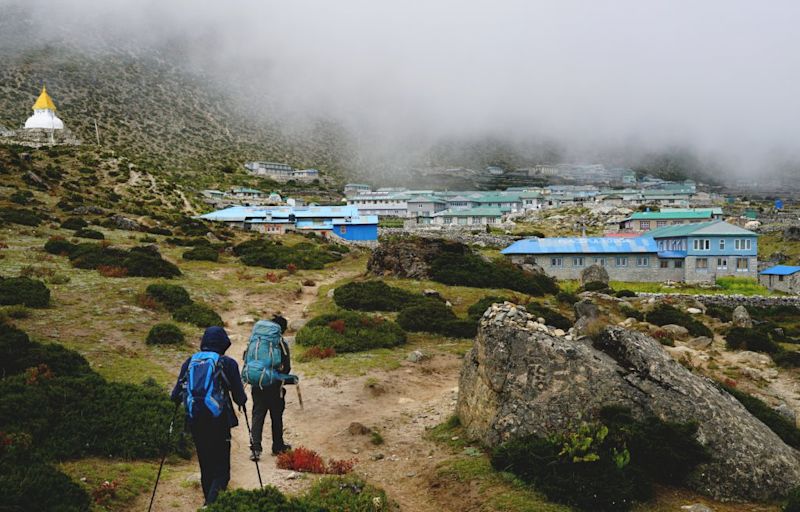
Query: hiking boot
x=284, y=448
x=255, y=455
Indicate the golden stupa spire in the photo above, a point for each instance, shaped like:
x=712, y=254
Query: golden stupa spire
x=45, y=101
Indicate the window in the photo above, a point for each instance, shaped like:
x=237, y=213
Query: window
x=742, y=244
x=701, y=263
x=701, y=244
x=742, y=265
x=448, y=220
x=556, y=262
x=462, y=221
x=600, y=261
x=577, y=261
x=780, y=278
x=678, y=263
x=722, y=244
x=722, y=263
x=622, y=261
x=663, y=263
x=644, y=224
x=661, y=223
x=643, y=261
x=343, y=230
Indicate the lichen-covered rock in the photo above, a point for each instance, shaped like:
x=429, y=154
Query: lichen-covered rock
x=741, y=318
x=594, y=274
x=409, y=257
x=519, y=380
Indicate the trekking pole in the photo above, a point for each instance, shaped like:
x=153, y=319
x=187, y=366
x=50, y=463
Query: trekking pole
x=163, y=457
x=250, y=433
x=299, y=396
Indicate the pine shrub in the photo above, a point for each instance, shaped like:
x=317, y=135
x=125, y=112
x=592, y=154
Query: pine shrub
x=59, y=247
x=269, y=254
x=197, y=314
x=201, y=253
x=722, y=313
x=631, y=312
x=784, y=428
x=74, y=224
x=347, y=331
x=165, y=334
x=90, y=233
x=23, y=290
x=624, y=293
x=435, y=317
x=567, y=297
x=664, y=314
x=145, y=264
x=374, y=296
x=171, y=296
x=458, y=268
x=19, y=216
x=792, y=501
x=551, y=317
x=595, y=286
x=742, y=338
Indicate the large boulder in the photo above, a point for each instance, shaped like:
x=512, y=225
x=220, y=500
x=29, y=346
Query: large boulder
x=741, y=318
x=519, y=380
x=409, y=257
x=594, y=274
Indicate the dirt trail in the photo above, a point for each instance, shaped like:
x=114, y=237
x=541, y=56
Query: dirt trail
x=410, y=399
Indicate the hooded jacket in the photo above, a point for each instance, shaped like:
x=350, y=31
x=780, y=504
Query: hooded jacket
x=215, y=339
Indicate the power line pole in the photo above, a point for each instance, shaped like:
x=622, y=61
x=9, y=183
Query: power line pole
x=96, y=131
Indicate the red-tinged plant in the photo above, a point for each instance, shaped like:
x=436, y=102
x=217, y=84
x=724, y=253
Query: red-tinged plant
x=341, y=467
x=147, y=302
x=36, y=374
x=105, y=492
x=272, y=277
x=301, y=459
x=337, y=326
x=112, y=271
x=730, y=383
x=291, y=268
x=316, y=352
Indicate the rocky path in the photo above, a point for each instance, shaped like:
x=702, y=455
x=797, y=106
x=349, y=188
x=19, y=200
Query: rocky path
x=401, y=404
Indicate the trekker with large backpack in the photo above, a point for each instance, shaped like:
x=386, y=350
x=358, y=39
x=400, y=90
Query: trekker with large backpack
x=208, y=381
x=267, y=364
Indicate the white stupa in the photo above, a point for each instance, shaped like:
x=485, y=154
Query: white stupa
x=44, y=114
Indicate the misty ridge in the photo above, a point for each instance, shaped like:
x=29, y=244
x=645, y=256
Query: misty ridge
x=451, y=84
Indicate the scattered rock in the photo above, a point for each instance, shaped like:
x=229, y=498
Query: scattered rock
x=417, y=356
x=330, y=293
x=699, y=343
x=586, y=313
x=125, y=223
x=358, y=429
x=404, y=400
x=594, y=274
x=193, y=478
x=377, y=456
x=297, y=324
x=245, y=320
x=676, y=331
x=694, y=311
x=293, y=476
x=697, y=507
x=741, y=318
x=517, y=382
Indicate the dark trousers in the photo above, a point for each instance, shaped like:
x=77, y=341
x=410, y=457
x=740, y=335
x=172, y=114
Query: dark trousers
x=269, y=399
x=212, y=438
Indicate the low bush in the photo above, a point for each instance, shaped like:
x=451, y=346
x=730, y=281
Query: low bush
x=171, y=296
x=631, y=312
x=551, y=317
x=308, y=461
x=466, y=269
x=138, y=262
x=624, y=293
x=202, y=253
x=74, y=224
x=721, y=313
x=146, y=264
x=317, y=353
x=784, y=428
x=17, y=312
x=25, y=291
x=165, y=334
x=567, y=297
x=434, y=316
x=28, y=483
x=665, y=314
x=347, y=331
x=605, y=466
x=269, y=254
x=22, y=217
x=741, y=338
x=59, y=247
x=787, y=358
x=90, y=233
x=792, y=501
x=373, y=296
x=197, y=314
x=159, y=231
x=595, y=286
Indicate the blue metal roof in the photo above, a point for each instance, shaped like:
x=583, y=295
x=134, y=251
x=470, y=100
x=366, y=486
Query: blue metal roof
x=780, y=270
x=605, y=245
x=672, y=254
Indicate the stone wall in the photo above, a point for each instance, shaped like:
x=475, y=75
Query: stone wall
x=464, y=236
x=757, y=301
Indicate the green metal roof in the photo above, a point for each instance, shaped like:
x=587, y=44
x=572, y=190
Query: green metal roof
x=671, y=215
x=713, y=228
x=472, y=212
x=426, y=199
x=497, y=198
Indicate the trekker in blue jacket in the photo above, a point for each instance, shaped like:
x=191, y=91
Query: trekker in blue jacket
x=212, y=435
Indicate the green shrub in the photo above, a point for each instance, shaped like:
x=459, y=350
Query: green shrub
x=347, y=331
x=665, y=314
x=270, y=254
x=624, y=293
x=165, y=334
x=18, y=352
x=90, y=233
x=59, y=247
x=784, y=428
x=146, y=264
x=374, y=296
x=25, y=291
x=595, y=286
x=741, y=338
x=787, y=358
x=22, y=217
x=27, y=483
x=631, y=312
x=467, y=269
x=477, y=310
x=17, y=312
x=74, y=224
x=138, y=262
x=605, y=466
x=434, y=316
x=171, y=296
x=91, y=256
x=722, y=313
x=197, y=314
x=551, y=317
x=567, y=297
x=792, y=501
x=201, y=253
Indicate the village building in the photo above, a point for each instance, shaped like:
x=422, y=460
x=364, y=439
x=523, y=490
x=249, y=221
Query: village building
x=354, y=189
x=281, y=172
x=781, y=278
x=645, y=221
x=343, y=222
x=699, y=252
x=474, y=217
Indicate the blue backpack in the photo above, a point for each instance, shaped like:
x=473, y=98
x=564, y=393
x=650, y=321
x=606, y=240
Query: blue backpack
x=264, y=355
x=204, y=394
